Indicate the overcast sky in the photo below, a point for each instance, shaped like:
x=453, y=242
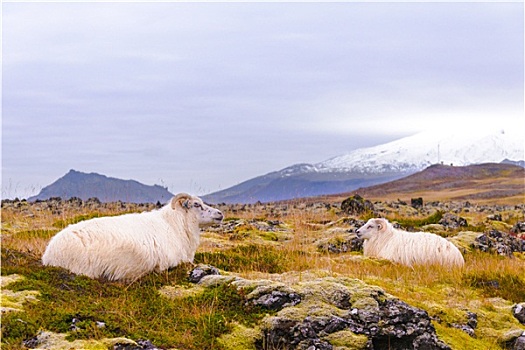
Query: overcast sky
x=199, y=97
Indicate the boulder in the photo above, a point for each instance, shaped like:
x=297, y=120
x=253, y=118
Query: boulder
x=514, y=340
x=518, y=311
x=453, y=221
x=342, y=243
x=200, y=271
x=273, y=297
x=333, y=305
x=499, y=242
x=356, y=205
x=329, y=313
x=416, y=202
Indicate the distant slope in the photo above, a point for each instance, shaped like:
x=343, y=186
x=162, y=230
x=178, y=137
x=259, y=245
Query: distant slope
x=106, y=189
x=294, y=182
x=481, y=182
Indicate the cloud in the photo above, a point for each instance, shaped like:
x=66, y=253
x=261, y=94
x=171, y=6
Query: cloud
x=210, y=94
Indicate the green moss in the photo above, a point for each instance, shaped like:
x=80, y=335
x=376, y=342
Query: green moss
x=50, y=340
x=465, y=240
x=14, y=301
x=347, y=340
x=459, y=340
x=177, y=292
x=269, y=236
x=241, y=338
x=136, y=311
x=448, y=305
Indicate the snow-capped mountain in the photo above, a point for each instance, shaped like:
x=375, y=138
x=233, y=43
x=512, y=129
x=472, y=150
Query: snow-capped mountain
x=379, y=164
x=419, y=151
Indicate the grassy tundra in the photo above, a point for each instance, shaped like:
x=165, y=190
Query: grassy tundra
x=279, y=242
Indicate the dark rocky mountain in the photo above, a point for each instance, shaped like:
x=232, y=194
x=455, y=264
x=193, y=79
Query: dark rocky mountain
x=106, y=189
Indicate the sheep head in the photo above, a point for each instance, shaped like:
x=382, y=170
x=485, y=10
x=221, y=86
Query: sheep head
x=205, y=214
x=371, y=228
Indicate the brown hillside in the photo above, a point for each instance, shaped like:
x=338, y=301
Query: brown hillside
x=483, y=183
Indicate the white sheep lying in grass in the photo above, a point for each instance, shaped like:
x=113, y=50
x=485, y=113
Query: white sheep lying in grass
x=129, y=246
x=384, y=241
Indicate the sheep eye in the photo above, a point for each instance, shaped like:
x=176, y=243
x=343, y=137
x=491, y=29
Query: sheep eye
x=197, y=205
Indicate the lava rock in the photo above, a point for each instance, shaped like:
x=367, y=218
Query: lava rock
x=518, y=311
x=519, y=343
x=356, y=205
x=519, y=227
x=514, y=340
x=453, y=221
x=470, y=326
x=416, y=202
x=341, y=244
x=202, y=270
x=141, y=345
x=277, y=299
x=499, y=242
x=387, y=322
x=495, y=217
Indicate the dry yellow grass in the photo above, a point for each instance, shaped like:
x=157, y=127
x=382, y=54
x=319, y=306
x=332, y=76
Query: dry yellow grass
x=444, y=293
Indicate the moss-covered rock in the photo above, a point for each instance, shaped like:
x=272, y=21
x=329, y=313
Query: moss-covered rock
x=347, y=340
x=14, y=301
x=340, y=243
x=311, y=310
x=58, y=341
x=175, y=292
x=465, y=240
x=241, y=338
x=518, y=311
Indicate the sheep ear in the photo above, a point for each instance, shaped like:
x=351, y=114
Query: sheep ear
x=182, y=199
x=380, y=224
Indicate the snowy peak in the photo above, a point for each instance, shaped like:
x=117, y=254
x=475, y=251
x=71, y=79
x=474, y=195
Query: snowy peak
x=297, y=169
x=414, y=153
x=375, y=165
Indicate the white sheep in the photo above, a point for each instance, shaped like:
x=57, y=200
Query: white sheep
x=129, y=246
x=384, y=241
